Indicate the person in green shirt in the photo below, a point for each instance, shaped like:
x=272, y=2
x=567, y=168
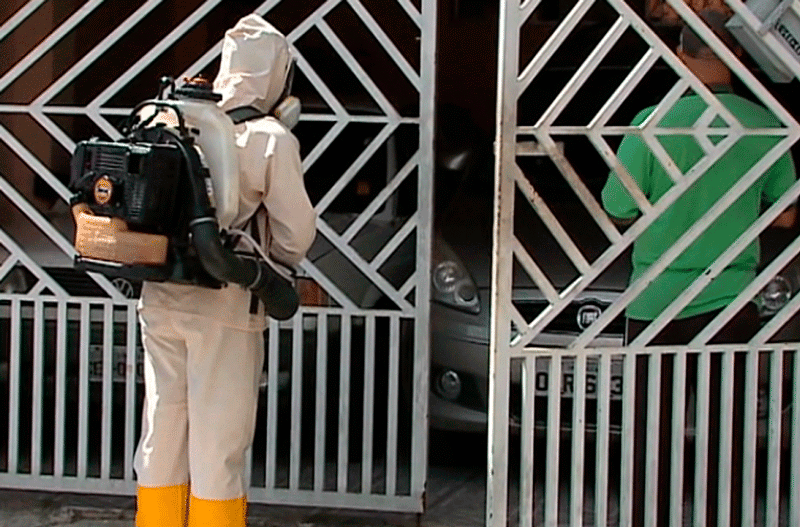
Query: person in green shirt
x=654, y=182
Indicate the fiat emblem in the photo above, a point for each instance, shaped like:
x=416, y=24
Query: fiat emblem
x=587, y=315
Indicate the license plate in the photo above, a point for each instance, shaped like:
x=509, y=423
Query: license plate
x=568, y=379
x=119, y=366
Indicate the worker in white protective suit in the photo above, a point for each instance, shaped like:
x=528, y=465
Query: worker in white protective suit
x=204, y=348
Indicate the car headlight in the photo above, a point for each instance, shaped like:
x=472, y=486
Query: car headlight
x=775, y=294
x=452, y=284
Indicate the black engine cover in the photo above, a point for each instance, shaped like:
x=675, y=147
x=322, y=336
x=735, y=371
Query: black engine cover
x=138, y=183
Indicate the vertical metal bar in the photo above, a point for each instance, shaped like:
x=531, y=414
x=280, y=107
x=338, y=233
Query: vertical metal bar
x=652, y=439
x=108, y=385
x=14, y=386
x=130, y=388
x=527, y=433
x=578, y=439
x=725, y=440
x=602, y=439
x=678, y=438
x=321, y=408
x=502, y=257
x=553, y=442
x=701, y=438
x=393, y=406
x=628, y=418
x=36, y=413
x=369, y=406
x=83, y=390
x=272, y=404
x=773, y=497
x=344, y=405
x=422, y=292
x=749, y=428
x=61, y=373
x=248, y=467
x=794, y=478
x=297, y=402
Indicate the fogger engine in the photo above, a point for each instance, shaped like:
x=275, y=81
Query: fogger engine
x=143, y=205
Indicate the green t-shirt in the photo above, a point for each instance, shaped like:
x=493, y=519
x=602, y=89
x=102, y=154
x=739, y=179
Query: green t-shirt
x=695, y=202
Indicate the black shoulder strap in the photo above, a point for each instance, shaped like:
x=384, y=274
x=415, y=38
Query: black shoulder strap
x=244, y=113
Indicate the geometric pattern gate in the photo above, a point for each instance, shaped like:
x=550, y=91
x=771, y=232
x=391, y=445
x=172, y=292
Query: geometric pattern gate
x=342, y=420
x=570, y=402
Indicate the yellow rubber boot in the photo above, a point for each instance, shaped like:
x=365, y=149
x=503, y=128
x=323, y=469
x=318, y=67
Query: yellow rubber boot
x=162, y=506
x=217, y=513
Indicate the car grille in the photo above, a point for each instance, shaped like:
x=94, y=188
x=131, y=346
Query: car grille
x=567, y=319
x=75, y=283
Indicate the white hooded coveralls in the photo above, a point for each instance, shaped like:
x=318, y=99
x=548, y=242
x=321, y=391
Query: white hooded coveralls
x=204, y=349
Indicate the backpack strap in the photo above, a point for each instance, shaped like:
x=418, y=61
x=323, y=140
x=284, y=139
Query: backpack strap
x=244, y=113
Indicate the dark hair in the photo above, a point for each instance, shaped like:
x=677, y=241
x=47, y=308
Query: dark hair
x=693, y=45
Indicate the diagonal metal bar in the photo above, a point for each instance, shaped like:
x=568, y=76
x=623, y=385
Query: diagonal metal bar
x=358, y=70
x=526, y=9
x=19, y=17
x=321, y=87
x=686, y=239
x=151, y=54
x=534, y=271
x=778, y=320
x=574, y=180
x=323, y=144
x=410, y=284
x=9, y=263
x=328, y=286
x=624, y=90
x=622, y=172
x=357, y=165
x=54, y=130
x=405, y=231
x=386, y=42
x=45, y=45
x=655, y=42
x=550, y=47
x=584, y=71
x=381, y=198
x=613, y=252
x=552, y=223
x=364, y=266
x=719, y=265
x=704, y=130
x=312, y=20
x=37, y=166
x=412, y=11
x=733, y=63
x=89, y=58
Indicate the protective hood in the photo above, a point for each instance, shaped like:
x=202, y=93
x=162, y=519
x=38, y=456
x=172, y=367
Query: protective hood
x=254, y=65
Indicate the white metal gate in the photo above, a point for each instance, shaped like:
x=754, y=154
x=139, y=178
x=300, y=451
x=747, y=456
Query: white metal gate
x=583, y=391
x=344, y=416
